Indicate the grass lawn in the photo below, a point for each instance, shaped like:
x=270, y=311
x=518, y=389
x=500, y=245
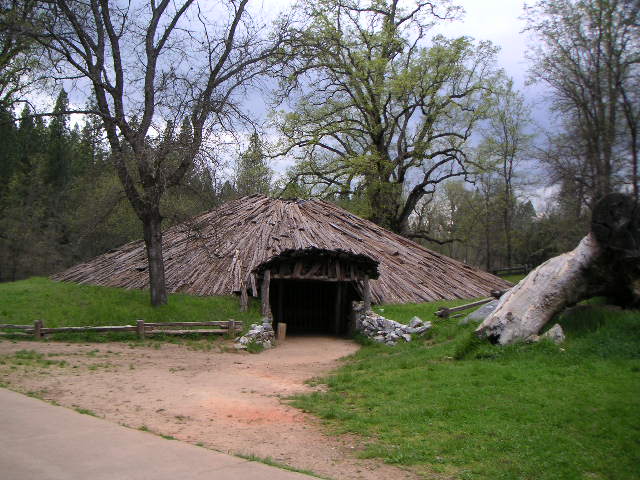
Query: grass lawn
x=67, y=304
x=513, y=278
x=454, y=407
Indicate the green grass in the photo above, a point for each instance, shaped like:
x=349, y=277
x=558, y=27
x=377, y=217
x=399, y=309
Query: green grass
x=528, y=411
x=30, y=358
x=426, y=311
x=513, y=278
x=86, y=411
x=67, y=304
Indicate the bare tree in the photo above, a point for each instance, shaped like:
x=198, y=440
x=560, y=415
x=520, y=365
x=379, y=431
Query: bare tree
x=588, y=55
x=505, y=142
x=19, y=58
x=154, y=65
x=630, y=93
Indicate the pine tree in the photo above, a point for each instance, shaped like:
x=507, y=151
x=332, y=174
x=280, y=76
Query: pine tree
x=252, y=173
x=8, y=151
x=58, y=170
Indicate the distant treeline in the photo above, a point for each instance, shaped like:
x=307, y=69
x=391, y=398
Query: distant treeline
x=61, y=201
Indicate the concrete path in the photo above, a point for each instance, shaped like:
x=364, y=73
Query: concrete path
x=39, y=441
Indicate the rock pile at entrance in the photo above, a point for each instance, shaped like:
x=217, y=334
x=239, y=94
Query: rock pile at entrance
x=389, y=332
x=262, y=335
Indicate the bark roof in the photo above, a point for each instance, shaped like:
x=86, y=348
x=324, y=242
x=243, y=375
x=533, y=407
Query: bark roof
x=217, y=252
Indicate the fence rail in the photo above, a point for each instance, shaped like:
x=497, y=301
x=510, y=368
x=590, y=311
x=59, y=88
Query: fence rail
x=445, y=312
x=141, y=327
x=516, y=270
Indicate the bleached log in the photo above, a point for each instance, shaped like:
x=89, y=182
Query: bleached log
x=605, y=262
x=527, y=307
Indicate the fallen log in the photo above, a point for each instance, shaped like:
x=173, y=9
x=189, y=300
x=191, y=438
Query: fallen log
x=605, y=263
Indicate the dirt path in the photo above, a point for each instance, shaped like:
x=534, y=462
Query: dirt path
x=225, y=401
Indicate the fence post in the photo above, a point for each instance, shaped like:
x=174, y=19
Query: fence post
x=231, y=326
x=140, y=329
x=37, y=328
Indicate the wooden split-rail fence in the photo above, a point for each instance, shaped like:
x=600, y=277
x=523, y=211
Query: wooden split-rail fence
x=446, y=312
x=517, y=270
x=141, y=328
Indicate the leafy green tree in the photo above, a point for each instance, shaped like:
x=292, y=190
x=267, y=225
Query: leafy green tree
x=27, y=243
x=8, y=150
x=379, y=106
x=21, y=64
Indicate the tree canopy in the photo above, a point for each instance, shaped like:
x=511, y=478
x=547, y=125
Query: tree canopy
x=379, y=107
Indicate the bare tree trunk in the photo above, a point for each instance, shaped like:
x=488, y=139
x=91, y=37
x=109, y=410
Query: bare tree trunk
x=604, y=263
x=152, y=228
x=506, y=217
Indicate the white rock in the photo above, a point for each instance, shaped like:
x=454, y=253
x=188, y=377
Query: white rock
x=424, y=328
x=555, y=334
x=415, y=322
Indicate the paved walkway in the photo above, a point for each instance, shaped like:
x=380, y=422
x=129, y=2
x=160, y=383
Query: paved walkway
x=39, y=441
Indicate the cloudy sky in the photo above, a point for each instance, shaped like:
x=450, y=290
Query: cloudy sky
x=498, y=21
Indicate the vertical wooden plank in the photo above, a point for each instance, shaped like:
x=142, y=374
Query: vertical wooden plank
x=254, y=288
x=231, y=326
x=244, y=299
x=140, y=329
x=264, y=292
x=366, y=293
x=282, y=331
x=338, y=309
x=37, y=328
x=280, y=295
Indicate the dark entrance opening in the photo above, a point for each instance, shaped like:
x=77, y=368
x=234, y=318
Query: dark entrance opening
x=312, y=306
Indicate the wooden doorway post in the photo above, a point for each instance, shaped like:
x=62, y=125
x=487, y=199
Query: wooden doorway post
x=264, y=292
x=366, y=293
x=338, y=309
x=244, y=299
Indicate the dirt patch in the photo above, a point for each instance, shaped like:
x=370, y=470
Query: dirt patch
x=229, y=402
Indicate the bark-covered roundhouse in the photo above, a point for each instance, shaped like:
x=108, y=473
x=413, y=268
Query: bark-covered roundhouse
x=312, y=257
